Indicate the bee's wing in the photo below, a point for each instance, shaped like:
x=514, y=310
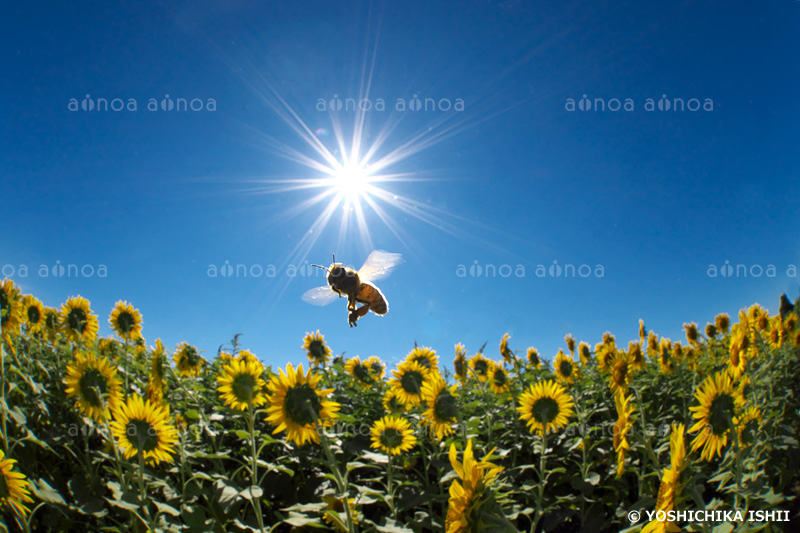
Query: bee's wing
x=378, y=265
x=320, y=295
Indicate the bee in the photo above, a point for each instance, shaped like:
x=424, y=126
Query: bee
x=356, y=285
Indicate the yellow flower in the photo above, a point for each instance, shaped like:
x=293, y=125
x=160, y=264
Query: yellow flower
x=670, y=487
x=471, y=498
x=479, y=367
x=442, y=407
x=740, y=342
x=297, y=406
x=720, y=402
x=247, y=355
x=126, y=321
x=188, y=360
x=692, y=335
x=392, y=403
x=408, y=381
x=10, y=312
x=747, y=426
x=505, y=351
x=546, y=406
x=52, y=323
x=155, y=385
x=33, y=313
x=641, y=331
x=460, y=363
x=241, y=386
x=635, y=355
x=722, y=321
x=317, y=351
x=94, y=384
x=13, y=487
x=604, y=351
x=79, y=322
x=142, y=427
x=335, y=514
x=426, y=358
x=376, y=367
x=711, y=331
x=621, y=369
x=621, y=428
x=585, y=353
x=652, y=345
x=360, y=372
x=498, y=377
x=564, y=368
x=533, y=358
x=665, y=362
x=392, y=435
x=570, y=340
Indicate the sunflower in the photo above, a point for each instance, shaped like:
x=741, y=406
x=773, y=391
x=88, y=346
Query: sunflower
x=107, y=347
x=585, y=353
x=635, y=355
x=316, y=349
x=621, y=428
x=126, y=321
x=376, y=367
x=479, y=367
x=10, y=312
x=408, y=380
x=545, y=405
x=720, y=402
x=722, y=321
x=570, y=340
x=564, y=368
x=670, y=487
x=442, y=407
x=297, y=406
x=94, y=384
x=51, y=323
x=188, y=360
x=621, y=369
x=498, y=377
x=393, y=435
x=740, y=343
x=652, y=345
x=142, y=427
x=426, y=358
x=533, y=358
x=13, y=487
x=335, y=514
x=692, y=335
x=241, y=386
x=604, y=351
x=711, y=330
x=505, y=351
x=747, y=425
x=155, y=386
x=79, y=322
x=665, y=362
x=392, y=403
x=360, y=372
x=460, y=363
x=641, y=331
x=472, y=505
x=33, y=313
x=246, y=355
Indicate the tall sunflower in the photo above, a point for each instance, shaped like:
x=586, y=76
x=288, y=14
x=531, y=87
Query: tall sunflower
x=142, y=427
x=635, y=355
x=376, y=367
x=720, y=403
x=33, y=313
x=692, y=335
x=505, y=351
x=442, y=407
x=10, y=312
x=740, y=343
x=408, y=380
x=670, y=487
x=360, y=371
x=604, y=351
x=392, y=435
x=126, y=321
x=585, y=353
x=498, y=377
x=426, y=358
x=52, y=323
x=94, y=384
x=665, y=360
x=533, y=358
x=621, y=428
x=392, y=403
x=747, y=426
x=722, y=321
x=317, y=351
x=642, y=331
x=479, y=367
x=14, y=485
x=240, y=384
x=546, y=406
x=297, y=406
x=460, y=363
x=564, y=368
x=188, y=360
x=570, y=341
x=80, y=324
x=621, y=369
x=155, y=385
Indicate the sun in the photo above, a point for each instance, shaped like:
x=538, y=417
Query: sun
x=352, y=182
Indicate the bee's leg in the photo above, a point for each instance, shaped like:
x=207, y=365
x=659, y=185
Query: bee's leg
x=355, y=314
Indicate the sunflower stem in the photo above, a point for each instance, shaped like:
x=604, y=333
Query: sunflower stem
x=125, y=364
x=254, y=474
x=341, y=483
x=3, y=386
x=390, y=488
x=542, y=482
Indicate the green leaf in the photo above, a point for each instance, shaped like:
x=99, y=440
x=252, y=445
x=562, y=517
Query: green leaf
x=242, y=434
x=42, y=490
x=168, y=509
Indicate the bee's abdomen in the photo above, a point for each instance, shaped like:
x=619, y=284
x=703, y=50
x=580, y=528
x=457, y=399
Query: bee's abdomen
x=368, y=292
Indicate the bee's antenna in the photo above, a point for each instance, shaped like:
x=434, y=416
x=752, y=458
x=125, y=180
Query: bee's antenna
x=333, y=257
x=322, y=267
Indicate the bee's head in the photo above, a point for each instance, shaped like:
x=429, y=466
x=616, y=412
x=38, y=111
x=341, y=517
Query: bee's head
x=336, y=270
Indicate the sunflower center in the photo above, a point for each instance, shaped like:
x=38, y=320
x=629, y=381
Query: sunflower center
x=445, y=407
x=191, y=356
x=620, y=372
x=302, y=404
x=317, y=350
x=362, y=373
x=423, y=361
x=391, y=438
x=51, y=320
x=125, y=322
x=412, y=382
x=394, y=404
x=533, y=358
x=544, y=410
x=243, y=387
x=735, y=356
x=76, y=320
x=93, y=384
x=720, y=412
x=499, y=378
x=458, y=365
x=33, y=314
x=376, y=368
x=142, y=435
x=481, y=367
x=566, y=369
x=335, y=504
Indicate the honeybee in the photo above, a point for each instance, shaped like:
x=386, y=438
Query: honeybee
x=356, y=285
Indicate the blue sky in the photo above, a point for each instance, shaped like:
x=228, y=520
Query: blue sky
x=514, y=178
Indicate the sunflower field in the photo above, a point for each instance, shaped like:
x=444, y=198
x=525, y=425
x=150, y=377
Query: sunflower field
x=110, y=434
